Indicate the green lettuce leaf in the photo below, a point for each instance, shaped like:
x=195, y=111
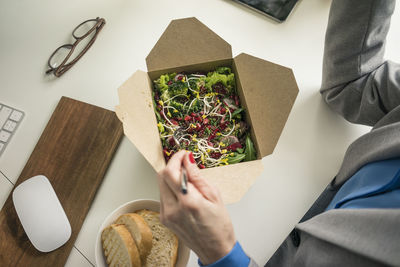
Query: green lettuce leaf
x=177, y=105
x=214, y=77
x=236, y=158
x=250, y=151
x=236, y=112
x=223, y=70
x=178, y=88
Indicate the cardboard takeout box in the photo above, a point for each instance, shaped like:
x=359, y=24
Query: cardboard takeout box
x=267, y=92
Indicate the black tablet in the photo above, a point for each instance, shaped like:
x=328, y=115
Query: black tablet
x=278, y=10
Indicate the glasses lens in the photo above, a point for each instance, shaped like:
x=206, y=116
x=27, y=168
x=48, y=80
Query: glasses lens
x=83, y=29
x=59, y=55
x=82, y=44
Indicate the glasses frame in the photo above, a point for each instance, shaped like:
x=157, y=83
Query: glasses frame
x=63, y=67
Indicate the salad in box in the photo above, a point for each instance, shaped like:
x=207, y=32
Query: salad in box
x=229, y=111
x=201, y=113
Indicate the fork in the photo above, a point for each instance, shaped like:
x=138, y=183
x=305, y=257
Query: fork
x=177, y=135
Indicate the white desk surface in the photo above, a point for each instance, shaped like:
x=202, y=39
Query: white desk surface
x=308, y=153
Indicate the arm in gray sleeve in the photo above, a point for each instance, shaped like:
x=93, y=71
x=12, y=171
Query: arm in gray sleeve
x=357, y=82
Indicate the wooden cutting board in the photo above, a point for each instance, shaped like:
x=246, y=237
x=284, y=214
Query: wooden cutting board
x=74, y=152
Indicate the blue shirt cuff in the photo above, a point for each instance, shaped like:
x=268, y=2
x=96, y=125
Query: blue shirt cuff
x=235, y=258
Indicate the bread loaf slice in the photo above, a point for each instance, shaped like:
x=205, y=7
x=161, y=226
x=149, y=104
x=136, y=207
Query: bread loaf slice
x=119, y=247
x=140, y=232
x=164, y=251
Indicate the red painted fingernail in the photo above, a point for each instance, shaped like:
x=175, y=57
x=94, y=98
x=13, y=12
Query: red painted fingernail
x=191, y=158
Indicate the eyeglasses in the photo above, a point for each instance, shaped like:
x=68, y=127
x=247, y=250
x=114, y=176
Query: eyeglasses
x=64, y=57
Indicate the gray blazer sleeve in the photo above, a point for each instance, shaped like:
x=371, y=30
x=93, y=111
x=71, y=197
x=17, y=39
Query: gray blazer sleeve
x=357, y=82
x=364, y=88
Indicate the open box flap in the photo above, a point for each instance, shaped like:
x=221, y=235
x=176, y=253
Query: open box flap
x=269, y=91
x=186, y=42
x=136, y=113
x=233, y=181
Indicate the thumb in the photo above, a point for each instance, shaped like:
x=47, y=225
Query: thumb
x=202, y=185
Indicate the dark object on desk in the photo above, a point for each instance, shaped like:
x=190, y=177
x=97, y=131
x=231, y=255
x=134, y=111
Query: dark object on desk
x=278, y=10
x=74, y=152
x=63, y=58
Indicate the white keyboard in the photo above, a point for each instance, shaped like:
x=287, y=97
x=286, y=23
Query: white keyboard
x=10, y=118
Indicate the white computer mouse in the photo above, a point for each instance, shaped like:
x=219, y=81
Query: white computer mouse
x=41, y=214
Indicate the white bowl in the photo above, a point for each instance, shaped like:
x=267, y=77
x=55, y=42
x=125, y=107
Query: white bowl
x=132, y=206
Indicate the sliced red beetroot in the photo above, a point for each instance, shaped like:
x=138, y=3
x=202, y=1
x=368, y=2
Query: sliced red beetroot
x=170, y=152
x=178, y=77
x=215, y=155
x=236, y=100
x=201, y=133
x=213, y=134
x=169, y=82
x=162, y=114
x=166, y=158
x=202, y=89
x=174, y=122
x=234, y=146
x=219, y=88
x=165, y=151
x=171, y=141
x=223, y=125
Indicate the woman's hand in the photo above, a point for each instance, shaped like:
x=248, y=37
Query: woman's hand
x=199, y=217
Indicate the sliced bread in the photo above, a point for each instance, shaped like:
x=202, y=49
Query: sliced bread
x=140, y=232
x=164, y=251
x=119, y=247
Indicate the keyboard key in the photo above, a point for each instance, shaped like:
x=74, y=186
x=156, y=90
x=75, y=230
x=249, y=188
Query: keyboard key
x=10, y=118
x=4, y=113
x=16, y=115
x=4, y=136
x=6, y=109
x=10, y=126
